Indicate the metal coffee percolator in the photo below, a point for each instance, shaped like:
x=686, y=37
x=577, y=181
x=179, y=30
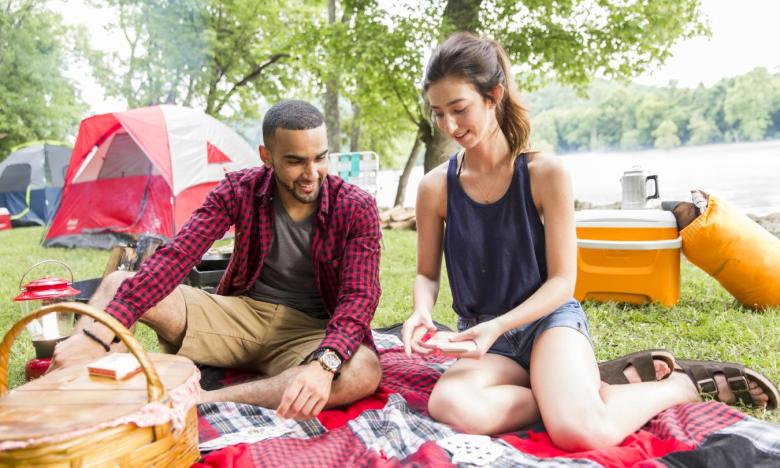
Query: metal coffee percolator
x=634, y=184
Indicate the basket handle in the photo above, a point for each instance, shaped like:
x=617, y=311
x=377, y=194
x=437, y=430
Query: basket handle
x=154, y=388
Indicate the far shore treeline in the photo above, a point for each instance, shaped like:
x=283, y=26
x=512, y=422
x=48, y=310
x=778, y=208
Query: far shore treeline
x=629, y=116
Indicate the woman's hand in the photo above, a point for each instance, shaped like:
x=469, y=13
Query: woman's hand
x=414, y=329
x=484, y=334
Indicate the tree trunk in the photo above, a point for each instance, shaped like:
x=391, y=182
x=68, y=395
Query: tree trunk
x=354, y=137
x=438, y=150
x=400, y=194
x=459, y=15
x=332, y=121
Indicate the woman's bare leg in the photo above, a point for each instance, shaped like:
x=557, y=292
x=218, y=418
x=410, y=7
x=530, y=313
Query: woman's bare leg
x=579, y=411
x=490, y=395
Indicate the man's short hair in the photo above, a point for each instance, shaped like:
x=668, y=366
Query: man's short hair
x=290, y=114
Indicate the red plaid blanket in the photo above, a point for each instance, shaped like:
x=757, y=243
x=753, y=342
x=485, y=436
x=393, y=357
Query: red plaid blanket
x=391, y=429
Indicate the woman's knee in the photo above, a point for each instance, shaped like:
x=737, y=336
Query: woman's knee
x=457, y=407
x=578, y=433
x=445, y=404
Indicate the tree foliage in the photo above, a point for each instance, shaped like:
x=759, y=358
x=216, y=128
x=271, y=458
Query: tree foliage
x=573, y=41
x=222, y=57
x=377, y=55
x=666, y=135
x=750, y=102
x=634, y=117
x=576, y=40
x=36, y=100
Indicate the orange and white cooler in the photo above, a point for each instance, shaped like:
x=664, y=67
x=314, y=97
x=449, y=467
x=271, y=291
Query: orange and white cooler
x=5, y=219
x=628, y=256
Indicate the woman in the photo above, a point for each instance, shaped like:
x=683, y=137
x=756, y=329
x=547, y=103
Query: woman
x=510, y=247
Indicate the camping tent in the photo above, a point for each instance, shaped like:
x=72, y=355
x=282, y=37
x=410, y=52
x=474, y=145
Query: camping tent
x=143, y=171
x=31, y=182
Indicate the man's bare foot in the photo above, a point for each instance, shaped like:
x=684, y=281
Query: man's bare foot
x=662, y=369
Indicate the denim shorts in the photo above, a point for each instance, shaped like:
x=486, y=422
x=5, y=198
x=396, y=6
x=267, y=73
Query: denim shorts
x=516, y=344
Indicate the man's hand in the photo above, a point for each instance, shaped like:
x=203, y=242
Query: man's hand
x=414, y=329
x=77, y=348
x=307, y=393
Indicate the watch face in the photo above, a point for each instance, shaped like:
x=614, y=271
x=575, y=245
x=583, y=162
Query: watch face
x=331, y=360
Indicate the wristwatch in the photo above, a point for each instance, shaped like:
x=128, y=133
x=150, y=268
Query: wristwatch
x=328, y=359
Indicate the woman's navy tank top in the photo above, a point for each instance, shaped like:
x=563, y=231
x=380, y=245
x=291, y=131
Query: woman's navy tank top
x=495, y=252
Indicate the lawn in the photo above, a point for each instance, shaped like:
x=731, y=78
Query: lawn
x=707, y=323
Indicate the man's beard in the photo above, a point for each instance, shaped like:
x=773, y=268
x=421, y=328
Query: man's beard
x=302, y=198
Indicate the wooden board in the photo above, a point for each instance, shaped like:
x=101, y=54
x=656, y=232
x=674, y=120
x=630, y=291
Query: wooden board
x=70, y=399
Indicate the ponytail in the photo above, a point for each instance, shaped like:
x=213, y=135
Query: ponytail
x=512, y=116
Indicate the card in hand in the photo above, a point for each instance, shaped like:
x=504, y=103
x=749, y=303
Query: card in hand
x=444, y=344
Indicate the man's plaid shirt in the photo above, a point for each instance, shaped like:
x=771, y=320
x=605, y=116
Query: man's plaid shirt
x=345, y=251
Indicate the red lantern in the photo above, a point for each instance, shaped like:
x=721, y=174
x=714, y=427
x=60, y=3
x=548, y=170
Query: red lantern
x=52, y=328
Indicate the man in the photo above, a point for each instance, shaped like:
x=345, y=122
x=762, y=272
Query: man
x=299, y=293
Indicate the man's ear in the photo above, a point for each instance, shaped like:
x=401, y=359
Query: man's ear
x=265, y=155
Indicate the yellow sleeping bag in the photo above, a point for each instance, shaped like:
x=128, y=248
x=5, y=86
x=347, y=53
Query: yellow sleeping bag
x=736, y=251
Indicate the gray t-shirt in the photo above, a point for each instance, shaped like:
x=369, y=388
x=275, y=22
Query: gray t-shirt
x=288, y=275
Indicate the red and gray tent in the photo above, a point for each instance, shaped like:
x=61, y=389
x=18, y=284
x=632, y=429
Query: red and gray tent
x=143, y=171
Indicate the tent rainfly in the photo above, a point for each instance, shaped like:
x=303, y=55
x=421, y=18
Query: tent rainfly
x=143, y=171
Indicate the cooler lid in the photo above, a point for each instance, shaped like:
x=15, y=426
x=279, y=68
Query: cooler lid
x=625, y=218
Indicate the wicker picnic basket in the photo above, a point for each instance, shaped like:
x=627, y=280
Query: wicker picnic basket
x=67, y=418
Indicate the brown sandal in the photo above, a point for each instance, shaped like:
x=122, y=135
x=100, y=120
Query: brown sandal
x=702, y=373
x=612, y=371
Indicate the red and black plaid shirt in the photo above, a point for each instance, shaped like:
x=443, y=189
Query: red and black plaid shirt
x=345, y=252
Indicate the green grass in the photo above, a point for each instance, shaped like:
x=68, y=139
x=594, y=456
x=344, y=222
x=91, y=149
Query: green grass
x=707, y=323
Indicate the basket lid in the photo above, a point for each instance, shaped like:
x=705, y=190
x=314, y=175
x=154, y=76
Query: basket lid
x=46, y=288
x=625, y=218
x=69, y=399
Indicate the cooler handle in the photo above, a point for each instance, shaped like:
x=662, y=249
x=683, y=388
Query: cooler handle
x=667, y=244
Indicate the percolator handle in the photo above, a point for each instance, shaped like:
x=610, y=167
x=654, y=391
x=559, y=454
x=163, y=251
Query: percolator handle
x=655, y=194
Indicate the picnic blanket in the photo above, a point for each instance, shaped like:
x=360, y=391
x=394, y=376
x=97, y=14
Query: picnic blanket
x=391, y=428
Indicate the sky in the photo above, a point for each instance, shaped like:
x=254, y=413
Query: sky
x=745, y=35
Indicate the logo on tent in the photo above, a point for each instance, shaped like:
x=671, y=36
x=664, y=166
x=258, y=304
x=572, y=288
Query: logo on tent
x=72, y=224
x=215, y=155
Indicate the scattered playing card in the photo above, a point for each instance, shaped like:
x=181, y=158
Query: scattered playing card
x=474, y=449
x=244, y=436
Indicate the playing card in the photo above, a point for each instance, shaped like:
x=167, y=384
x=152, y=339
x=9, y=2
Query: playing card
x=244, y=436
x=446, y=345
x=473, y=449
x=480, y=455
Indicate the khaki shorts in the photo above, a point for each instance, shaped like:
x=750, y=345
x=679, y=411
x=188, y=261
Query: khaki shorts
x=240, y=332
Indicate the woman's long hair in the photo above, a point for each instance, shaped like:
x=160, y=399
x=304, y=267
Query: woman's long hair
x=483, y=63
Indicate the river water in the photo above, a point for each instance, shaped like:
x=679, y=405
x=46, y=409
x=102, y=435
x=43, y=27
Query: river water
x=746, y=174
